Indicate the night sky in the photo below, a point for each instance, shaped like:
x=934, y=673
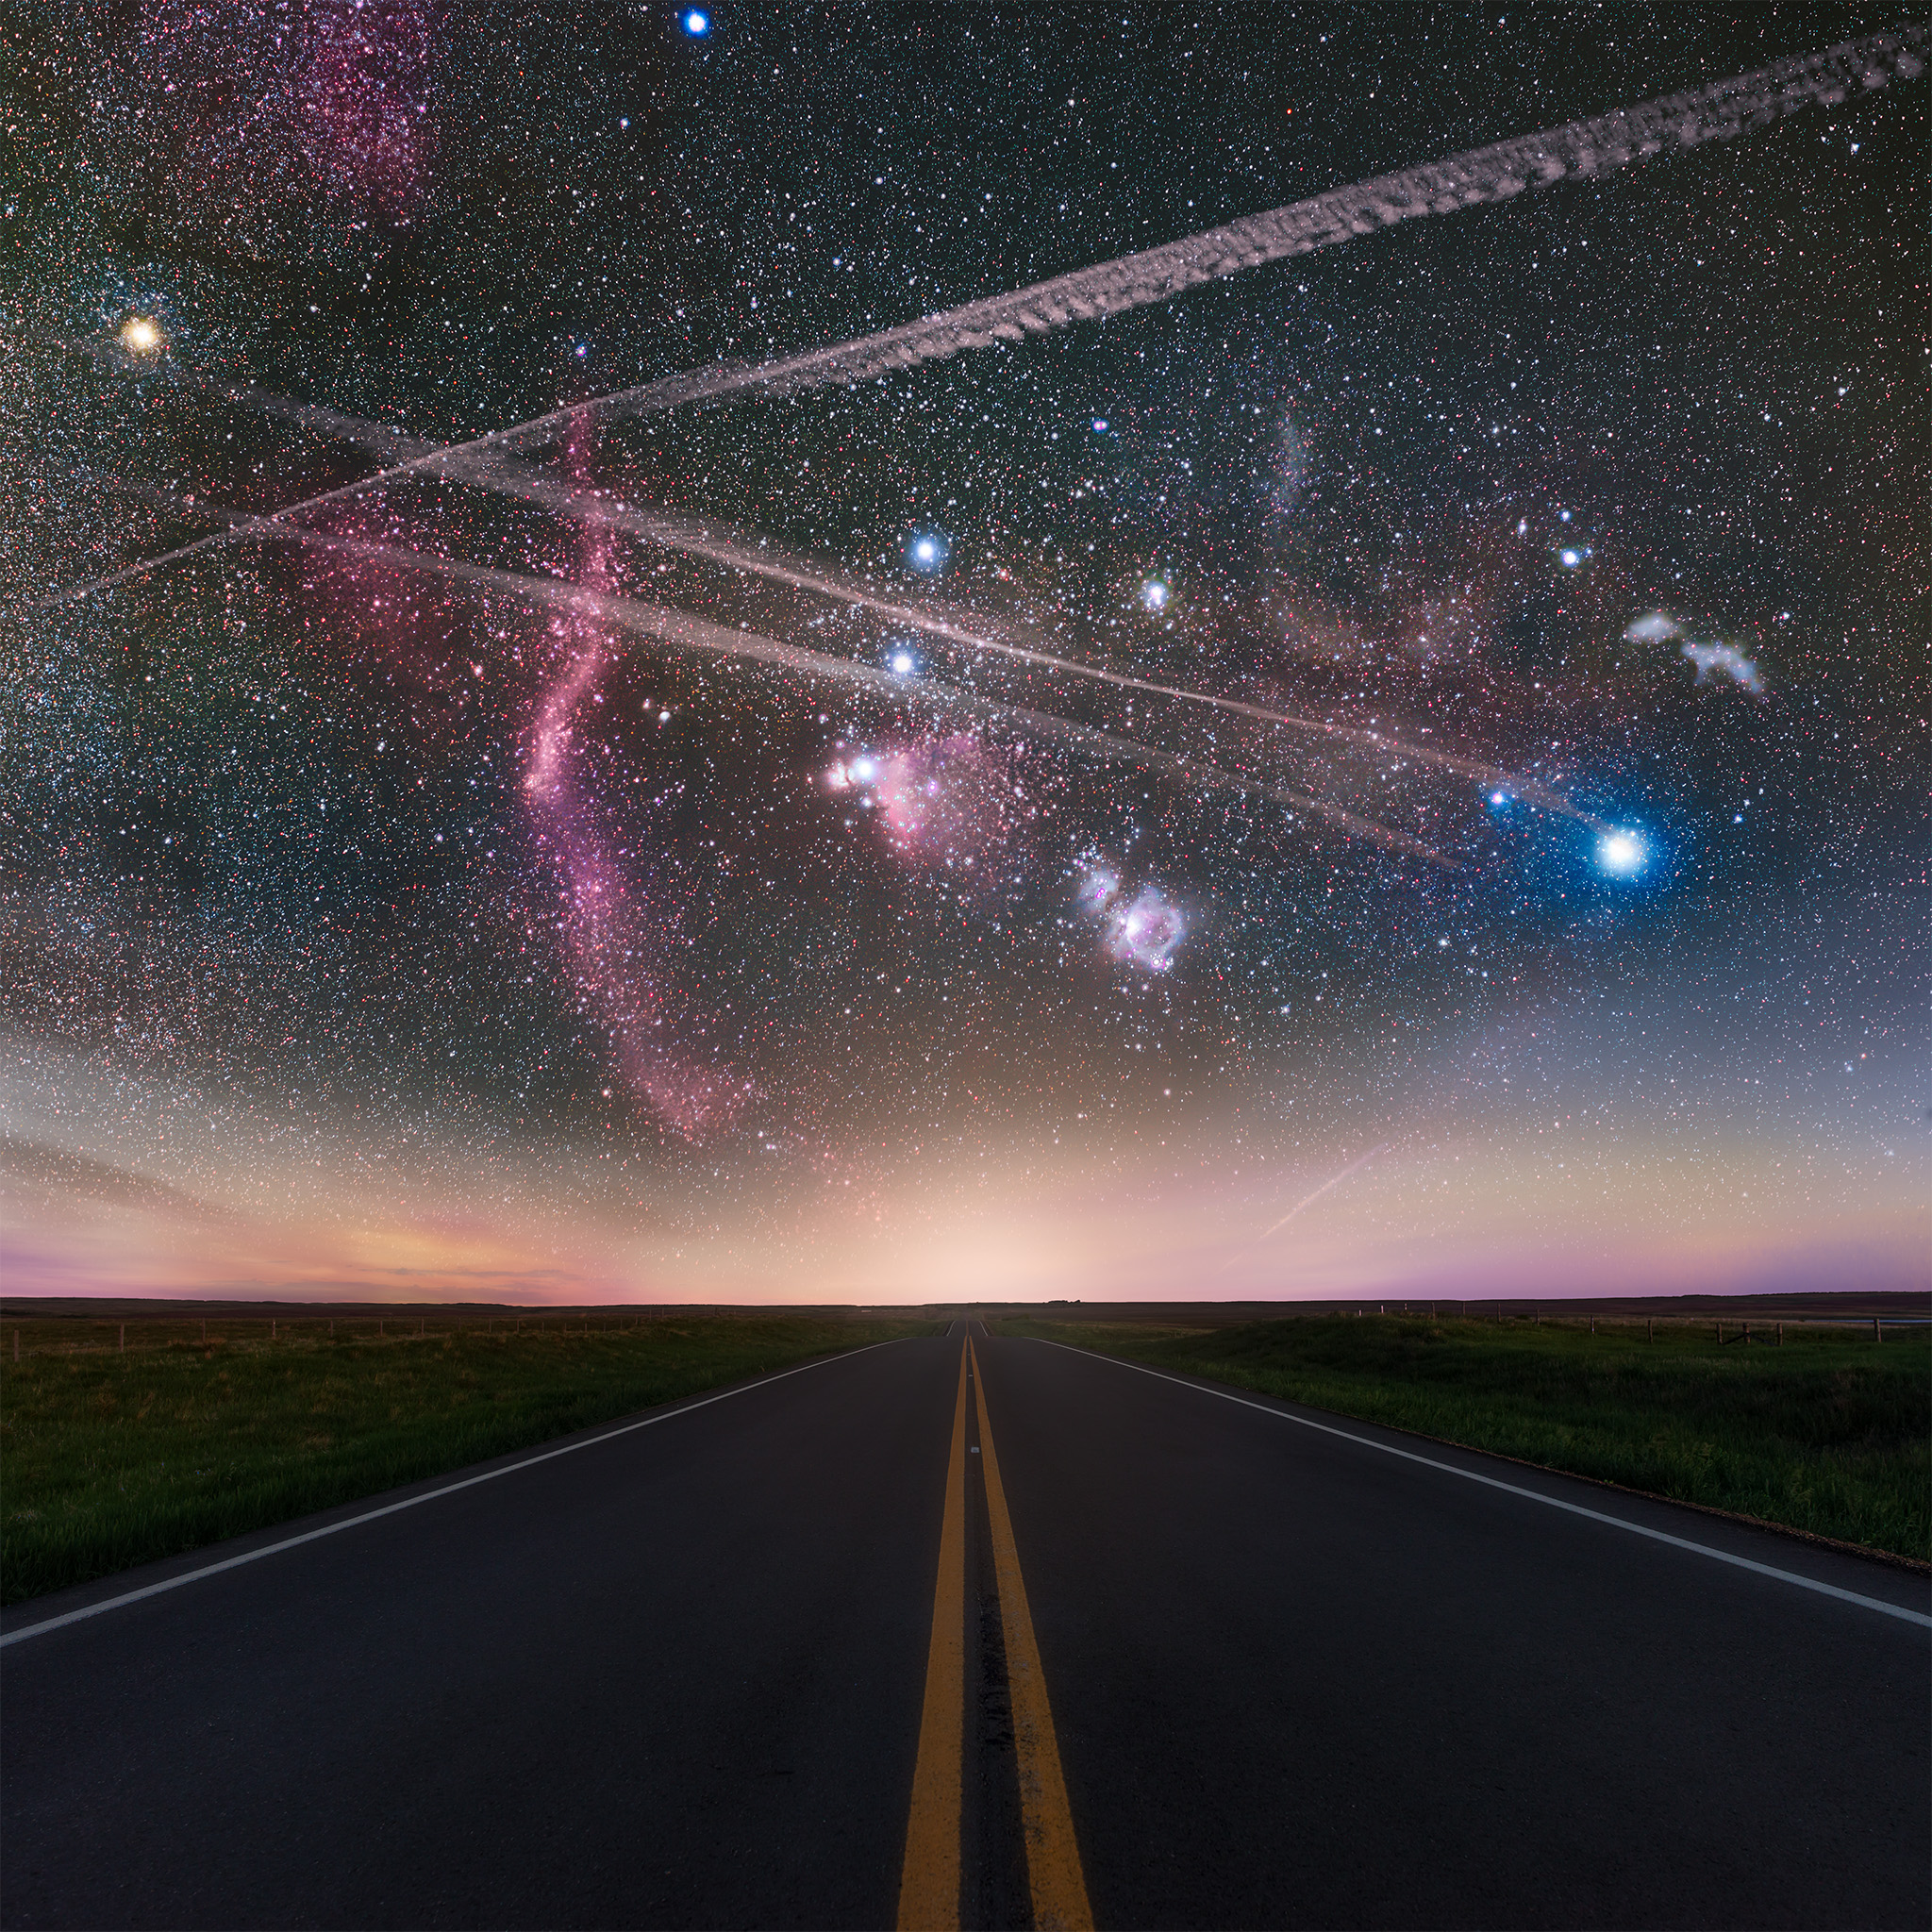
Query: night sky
x=382, y=915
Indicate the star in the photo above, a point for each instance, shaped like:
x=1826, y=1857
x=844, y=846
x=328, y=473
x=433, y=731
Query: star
x=1621, y=853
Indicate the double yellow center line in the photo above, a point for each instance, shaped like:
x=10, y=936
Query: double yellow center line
x=929, y=1884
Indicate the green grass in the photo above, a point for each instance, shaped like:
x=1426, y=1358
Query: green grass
x=109, y=1459
x=1830, y=1433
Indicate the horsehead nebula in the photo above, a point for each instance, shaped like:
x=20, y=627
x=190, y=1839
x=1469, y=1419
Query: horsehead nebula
x=950, y=802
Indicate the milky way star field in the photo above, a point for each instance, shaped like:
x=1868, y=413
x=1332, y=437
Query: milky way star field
x=902, y=654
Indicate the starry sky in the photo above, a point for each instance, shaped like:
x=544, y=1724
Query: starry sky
x=1398, y=773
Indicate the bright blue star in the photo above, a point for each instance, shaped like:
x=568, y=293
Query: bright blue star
x=902, y=662
x=696, y=25
x=926, y=551
x=1621, y=853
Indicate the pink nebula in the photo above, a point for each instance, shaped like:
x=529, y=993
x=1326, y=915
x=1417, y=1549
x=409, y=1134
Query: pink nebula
x=1147, y=933
x=613, y=935
x=361, y=93
x=260, y=110
x=950, y=802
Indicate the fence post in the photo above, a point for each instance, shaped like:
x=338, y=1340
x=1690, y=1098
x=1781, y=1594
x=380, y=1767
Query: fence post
x=1878, y=1332
x=16, y=1344
x=271, y=1329
x=124, y=1338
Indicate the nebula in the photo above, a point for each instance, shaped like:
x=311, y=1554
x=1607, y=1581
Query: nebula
x=1705, y=654
x=1148, y=932
x=1145, y=931
x=611, y=934
x=951, y=802
x=275, y=108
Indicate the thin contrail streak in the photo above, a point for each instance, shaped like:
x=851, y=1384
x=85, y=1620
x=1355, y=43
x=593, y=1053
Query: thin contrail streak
x=243, y=525
x=671, y=534
x=1591, y=147
x=586, y=504
x=1334, y=1181
x=684, y=631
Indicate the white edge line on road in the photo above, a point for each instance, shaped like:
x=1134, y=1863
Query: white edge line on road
x=469, y=1482
x=1470, y=1475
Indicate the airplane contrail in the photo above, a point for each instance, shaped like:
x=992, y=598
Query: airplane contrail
x=588, y=504
x=1587, y=148
x=684, y=631
x=1334, y=1181
x=1716, y=111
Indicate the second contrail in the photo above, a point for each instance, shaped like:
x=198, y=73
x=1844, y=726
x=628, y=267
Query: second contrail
x=684, y=632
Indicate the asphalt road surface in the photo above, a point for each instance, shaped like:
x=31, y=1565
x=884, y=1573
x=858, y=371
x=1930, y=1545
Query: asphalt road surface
x=1064, y=1642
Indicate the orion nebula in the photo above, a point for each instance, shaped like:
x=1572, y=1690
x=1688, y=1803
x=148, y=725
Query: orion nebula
x=1143, y=928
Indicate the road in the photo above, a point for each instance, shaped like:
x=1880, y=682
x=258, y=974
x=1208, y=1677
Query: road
x=1058, y=1640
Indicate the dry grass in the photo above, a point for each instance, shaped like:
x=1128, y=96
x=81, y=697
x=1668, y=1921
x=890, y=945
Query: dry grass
x=109, y=1459
x=1830, y=1432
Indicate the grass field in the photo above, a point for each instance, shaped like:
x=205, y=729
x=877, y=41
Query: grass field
x=111, y=1458
x=1830, y=1433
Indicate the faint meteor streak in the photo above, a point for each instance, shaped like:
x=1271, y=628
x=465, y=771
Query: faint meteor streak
x=1587, y=148
x=1334, y=1181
